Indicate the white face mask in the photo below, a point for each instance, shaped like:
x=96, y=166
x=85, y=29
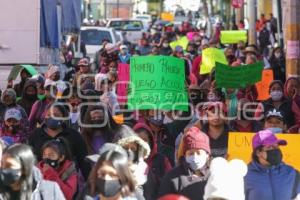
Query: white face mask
x=278, y=55
x=276, y=95
x=197, y=162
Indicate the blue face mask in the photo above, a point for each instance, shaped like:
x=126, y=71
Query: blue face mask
x=276, y=130
x=53, y=124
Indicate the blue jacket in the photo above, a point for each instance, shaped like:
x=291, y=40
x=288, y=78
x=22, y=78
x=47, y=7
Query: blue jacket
x=274, y=183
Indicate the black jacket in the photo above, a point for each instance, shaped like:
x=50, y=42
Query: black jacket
x=181, y=180
x=77, y=146
x=285, y=109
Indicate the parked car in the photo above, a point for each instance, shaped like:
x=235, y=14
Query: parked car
x=146, y=19
x=133, y=28
x=92, y=36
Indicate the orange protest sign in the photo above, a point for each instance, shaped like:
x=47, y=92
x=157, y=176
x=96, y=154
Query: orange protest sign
x=263, y=86
x=167, y=16
x=240, y=147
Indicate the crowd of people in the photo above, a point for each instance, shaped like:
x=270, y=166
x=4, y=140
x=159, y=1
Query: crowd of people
x=67, y=136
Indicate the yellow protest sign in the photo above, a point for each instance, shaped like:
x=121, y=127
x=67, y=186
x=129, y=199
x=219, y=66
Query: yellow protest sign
x=167, y=16
x=209, y=58
x=240, y=147
x=233, y=37
x=263, y=86
x=183, y=42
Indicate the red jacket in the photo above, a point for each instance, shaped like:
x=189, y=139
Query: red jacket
x=196, y=67
x=69, y=186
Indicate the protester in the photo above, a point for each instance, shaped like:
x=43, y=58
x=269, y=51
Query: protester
x=275, y=122
x=216, y=129
x=157, y=163
x=57, y=166
x=144, y=48
x=277, y=101
x=190, y=177
x=110, y=178
x=84, y=69
x=268, y=176
x=13, y=127
x=124, y=55
x=55, y=125
x=165, y=49
x=29, y=96
x=21, y=180
x=98, y=128
x=38, y=111
x=138, y=152
x=19, y=88
x=277, y=62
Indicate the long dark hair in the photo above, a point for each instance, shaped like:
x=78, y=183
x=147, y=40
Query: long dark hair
x=60, y=146
x=107, y=131
x=23, y=154
x=254, y=156
x=120, y=164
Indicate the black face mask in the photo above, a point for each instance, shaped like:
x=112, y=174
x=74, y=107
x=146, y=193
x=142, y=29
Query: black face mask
x=14, y=129
x=108, y=188
x=30, y=97
x=274, y=156
x=197, y=96
x=9, y=176
x=52, y=163
x=53, y=124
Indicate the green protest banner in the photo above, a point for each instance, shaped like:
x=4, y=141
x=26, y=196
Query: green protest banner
x=209, y=58
x=233, y=37
x=238, y=77
x=183, y=42
x=157, y=82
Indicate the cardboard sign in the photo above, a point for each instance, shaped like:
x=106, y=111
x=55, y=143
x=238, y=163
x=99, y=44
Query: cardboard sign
x=123, y=79
x=293, y=49
x=263, y=85
x=240, y=147
x=233, y=37
x=183, y=42
x=238, y=77
x=209, y=58
x=157, y=82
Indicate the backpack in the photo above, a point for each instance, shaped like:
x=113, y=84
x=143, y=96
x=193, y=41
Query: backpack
x=80, y=183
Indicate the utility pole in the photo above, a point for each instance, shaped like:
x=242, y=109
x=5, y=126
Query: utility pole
x=118, y=2
x=252, y=21
x=105, y=9
x=279, y=23
x=292, y=37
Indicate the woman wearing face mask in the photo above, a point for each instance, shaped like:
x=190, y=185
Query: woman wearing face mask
x=29, y=96
x=138, y=151
x=57, y=166
x=12, y=126
x=20, y=180
x=98, y=127
x=111, y=179
x=190, y=177
x=38, y=110
x=278, y=102
x=9, y=100
x=268, y=176
x=54, y=126
x=277, y=62
x=165, y=48
x=124, y=55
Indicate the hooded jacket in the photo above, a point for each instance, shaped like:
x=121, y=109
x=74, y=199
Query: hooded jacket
x=42, y=189
x=69, y=185
x=24, y=101
x=280, y=182
x=154, y=152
